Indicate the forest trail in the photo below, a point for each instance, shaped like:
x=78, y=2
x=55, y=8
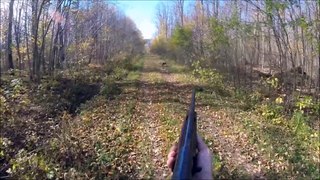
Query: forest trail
x=124, y=128
x=87, y=91
x=147, y=111
x=163, y=99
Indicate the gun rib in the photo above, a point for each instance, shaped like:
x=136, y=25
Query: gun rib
x=187, y=145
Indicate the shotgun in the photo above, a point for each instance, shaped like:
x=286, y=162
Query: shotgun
x=185, y=164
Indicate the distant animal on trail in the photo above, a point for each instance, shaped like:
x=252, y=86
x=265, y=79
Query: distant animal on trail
x=164, y=64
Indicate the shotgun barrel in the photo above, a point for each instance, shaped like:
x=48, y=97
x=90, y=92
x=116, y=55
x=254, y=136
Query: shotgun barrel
x=185, y=166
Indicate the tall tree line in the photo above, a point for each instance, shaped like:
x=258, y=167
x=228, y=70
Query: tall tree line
x=42, y=36
x=243, y=37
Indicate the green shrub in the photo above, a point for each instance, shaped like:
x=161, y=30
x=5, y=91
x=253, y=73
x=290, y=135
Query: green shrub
x=273, y=112
x=305, y=102
x=15, y=93
x=5, y=148
x=109, y=87
x=31, y=166
x=210, y=76
x=218, y=37
x=273, y=82
x=299, y=123
x=120, y=67
x=317, y=109
x=249, y=100
x=182, y=37
x=119, y=73
x=162, y=47
x=136, y=65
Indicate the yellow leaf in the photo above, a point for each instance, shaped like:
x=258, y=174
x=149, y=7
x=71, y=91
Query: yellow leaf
x=279, y=100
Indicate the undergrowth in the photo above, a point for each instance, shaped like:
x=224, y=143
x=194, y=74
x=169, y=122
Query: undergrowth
x=57, y=128
x=285, y=131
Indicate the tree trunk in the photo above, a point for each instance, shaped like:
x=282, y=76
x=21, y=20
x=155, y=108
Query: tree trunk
x=43, y=46
x=318, y=43
x=52, y=51
x=9, y=36
x=0, y=47
x=61, y=47
x=27, y=46
x=18, y=38
x=34, y=33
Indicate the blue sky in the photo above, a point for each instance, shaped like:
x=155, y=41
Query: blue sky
x=142, y=13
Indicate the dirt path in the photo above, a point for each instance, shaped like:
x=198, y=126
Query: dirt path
x=147, y=109
x=162, y=90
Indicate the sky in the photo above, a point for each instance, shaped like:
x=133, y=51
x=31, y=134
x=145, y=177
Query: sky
x=142, y=12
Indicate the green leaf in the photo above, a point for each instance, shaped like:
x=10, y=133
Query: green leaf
x=182, y=37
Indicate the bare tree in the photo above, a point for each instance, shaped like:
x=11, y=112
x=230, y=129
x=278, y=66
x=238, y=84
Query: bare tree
x=179, y=6
x=0, y=44
x=318, y=42
x=162, y=20
x=34, y=34
x=9, y=36
x=18, y=37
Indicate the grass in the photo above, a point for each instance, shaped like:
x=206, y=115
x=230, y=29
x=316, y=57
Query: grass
x=289, y=155
x=133, y=76
x=153, y=77
x=177, y=68
x=169, y=124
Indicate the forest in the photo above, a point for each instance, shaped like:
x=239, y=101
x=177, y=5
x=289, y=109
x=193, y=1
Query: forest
x=83, y=95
